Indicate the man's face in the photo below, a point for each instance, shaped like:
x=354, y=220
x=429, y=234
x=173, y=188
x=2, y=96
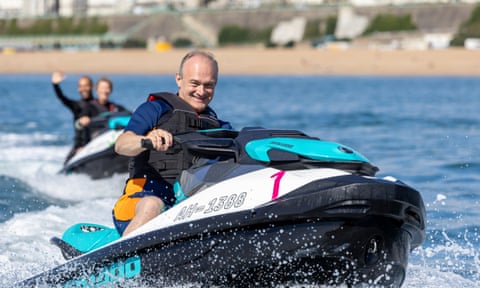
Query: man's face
x=84, y=88
x=197, y=84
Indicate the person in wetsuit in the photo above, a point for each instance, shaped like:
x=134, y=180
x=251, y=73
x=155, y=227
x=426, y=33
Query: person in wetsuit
x=103, y=88
x=77, y=107
x=149, y=189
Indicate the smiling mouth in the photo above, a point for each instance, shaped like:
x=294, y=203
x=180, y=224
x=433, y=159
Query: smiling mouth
x=198, y=98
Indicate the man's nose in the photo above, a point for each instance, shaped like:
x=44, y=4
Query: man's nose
x=201, y=89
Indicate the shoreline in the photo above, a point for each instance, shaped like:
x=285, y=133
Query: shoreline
x=253, y=61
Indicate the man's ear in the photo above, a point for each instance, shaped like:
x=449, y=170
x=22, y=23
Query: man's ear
x=178, y=79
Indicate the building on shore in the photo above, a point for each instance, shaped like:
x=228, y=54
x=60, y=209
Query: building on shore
x=69, y=8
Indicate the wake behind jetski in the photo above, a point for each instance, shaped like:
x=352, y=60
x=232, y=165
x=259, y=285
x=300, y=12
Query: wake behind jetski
x=263, y=207
x=98, y=158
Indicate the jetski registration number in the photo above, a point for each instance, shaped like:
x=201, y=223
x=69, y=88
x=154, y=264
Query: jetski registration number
x=214, y=205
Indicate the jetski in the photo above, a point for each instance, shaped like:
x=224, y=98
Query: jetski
x=98, y=158
x=263, y=207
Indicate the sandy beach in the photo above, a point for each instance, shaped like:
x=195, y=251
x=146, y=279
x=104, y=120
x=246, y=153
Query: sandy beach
x=253, y=60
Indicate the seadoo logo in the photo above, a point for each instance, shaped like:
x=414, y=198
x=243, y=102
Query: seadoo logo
x=113, y=273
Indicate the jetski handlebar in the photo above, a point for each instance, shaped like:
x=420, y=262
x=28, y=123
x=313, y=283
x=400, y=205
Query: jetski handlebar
x=180, y=138
x=147, y=143
x=201, y=144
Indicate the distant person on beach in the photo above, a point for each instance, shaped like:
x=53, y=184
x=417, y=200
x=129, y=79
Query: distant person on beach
x=149, y=189
x=77, y=107
x=98, y=106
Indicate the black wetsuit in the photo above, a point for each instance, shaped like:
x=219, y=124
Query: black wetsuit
x=95, y=108
x=78, y=108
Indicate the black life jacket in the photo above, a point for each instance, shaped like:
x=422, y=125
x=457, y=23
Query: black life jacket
x=167, y=165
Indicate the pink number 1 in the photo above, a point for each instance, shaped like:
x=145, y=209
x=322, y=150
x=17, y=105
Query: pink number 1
x=276, y=184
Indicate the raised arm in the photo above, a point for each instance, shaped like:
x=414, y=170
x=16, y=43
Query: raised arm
x=57, y=78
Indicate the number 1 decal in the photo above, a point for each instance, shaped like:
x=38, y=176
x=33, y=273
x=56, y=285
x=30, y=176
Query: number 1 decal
x=276, y=184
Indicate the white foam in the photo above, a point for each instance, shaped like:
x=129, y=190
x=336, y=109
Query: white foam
x=24, y=245
x=39, y=166
x=24, y=239
x=419, y=276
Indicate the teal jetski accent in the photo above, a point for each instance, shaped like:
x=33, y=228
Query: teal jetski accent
x=84, y=237
x=92, y=236
x=119, y=121
x=308, y=148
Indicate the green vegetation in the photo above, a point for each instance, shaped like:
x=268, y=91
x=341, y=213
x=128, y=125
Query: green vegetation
x=233, y=34
x=236, y=35
x=182, y=43
x=320, y=31
x=468, y=29
x=319, y=28
x=132, y=43
x=390, y=23
x=331, y=26
x=313, y=29
x=54, y=26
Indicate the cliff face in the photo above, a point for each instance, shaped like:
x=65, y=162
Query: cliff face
x=205, y=24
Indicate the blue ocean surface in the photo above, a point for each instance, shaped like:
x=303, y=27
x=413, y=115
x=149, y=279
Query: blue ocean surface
x=424, y=131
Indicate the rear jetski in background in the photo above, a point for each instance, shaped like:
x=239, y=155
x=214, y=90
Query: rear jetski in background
x=98, y=158
x=263, y=208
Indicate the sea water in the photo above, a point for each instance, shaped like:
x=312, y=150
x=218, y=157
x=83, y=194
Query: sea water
x=422, y=130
